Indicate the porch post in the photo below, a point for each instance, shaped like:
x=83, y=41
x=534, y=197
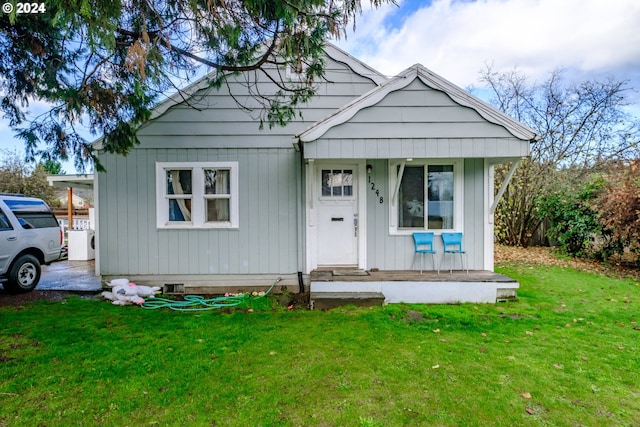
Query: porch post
x=70, y=208
x=312, y=176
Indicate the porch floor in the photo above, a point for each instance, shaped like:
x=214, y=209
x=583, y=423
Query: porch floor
x=340, y=275
x=411, y=286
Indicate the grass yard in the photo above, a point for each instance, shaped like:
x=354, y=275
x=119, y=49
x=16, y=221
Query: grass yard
x=568, y=353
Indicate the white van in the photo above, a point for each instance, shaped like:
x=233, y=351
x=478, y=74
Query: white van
x=29, y=237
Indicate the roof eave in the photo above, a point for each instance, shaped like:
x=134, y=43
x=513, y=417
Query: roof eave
x=487, y=111
x=433, y=81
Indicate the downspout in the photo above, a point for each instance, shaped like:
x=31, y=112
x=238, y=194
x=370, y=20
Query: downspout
x=301, y=213
x=503, y=187
x=96, y=221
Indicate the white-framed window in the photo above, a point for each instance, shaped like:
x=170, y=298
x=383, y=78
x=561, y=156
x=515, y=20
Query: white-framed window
x=428, y=197
x=197, y=194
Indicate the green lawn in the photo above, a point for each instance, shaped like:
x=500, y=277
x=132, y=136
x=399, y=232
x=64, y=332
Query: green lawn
x=567, y=353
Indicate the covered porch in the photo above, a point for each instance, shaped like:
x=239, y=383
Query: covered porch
x=334, y=287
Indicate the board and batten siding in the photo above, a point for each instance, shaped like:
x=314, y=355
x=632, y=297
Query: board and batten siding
x=395, y=252
x=420, y=122
x=213, y=127
x=265, y=242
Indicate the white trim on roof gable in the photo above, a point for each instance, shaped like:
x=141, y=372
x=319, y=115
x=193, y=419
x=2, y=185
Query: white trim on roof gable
x=464, y=98
x=355, y=64
x=348, y=111
x=403, y=80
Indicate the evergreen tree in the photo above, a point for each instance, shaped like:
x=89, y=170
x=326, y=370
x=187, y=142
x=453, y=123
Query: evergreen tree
x=102, y=64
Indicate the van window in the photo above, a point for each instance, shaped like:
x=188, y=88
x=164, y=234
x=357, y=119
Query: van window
x=37, y=219
x=27, y=205
x=32, y=213
x=4, y=222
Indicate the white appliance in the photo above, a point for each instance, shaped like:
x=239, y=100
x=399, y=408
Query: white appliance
x=81, y=245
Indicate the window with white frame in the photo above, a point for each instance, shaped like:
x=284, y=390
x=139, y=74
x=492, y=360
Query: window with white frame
x=428, y=196
x=197, y=194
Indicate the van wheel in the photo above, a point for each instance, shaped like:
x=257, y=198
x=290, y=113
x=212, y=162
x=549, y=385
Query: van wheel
x=24, y=274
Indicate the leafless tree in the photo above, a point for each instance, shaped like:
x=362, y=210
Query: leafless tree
x=581, y=127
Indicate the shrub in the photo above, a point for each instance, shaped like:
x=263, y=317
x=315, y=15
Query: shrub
x=618, y=205
x=573, y=222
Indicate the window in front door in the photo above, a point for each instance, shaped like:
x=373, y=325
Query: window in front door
x=337, y=182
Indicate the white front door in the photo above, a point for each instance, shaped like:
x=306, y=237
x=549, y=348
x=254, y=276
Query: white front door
x=337, y=215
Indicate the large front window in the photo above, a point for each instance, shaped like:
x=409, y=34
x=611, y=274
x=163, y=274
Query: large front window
x=411, y=198
x=199, y=194
x=428, y=196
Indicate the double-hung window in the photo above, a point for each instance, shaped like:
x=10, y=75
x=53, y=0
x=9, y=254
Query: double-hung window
x=428, y=196
x=197, y=194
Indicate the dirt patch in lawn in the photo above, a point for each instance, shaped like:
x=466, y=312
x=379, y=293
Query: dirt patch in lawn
x=538, y=255
x=7, y=299
x=297, y=301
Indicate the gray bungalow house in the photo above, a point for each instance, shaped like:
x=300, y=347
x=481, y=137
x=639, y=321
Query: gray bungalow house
x=209, y=202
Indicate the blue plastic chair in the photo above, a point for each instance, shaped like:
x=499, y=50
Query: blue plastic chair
x=453, y=245
x=423, y=243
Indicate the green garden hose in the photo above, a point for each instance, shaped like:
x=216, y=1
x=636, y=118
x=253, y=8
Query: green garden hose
x=199, y=303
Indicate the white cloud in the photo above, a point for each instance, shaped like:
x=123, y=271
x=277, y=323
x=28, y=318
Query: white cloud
x=456, y=38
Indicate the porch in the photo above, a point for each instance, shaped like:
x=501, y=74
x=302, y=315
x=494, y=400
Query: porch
x=330, y=287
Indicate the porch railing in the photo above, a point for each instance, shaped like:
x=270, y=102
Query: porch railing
x=78, y=224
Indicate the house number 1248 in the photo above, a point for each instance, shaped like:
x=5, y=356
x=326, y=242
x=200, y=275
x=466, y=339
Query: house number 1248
x=373, y=188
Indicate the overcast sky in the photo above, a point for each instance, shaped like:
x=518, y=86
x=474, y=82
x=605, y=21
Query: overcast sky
x=454, y=38
x=590, y=39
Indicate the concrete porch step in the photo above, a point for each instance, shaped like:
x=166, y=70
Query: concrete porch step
x=327, y=300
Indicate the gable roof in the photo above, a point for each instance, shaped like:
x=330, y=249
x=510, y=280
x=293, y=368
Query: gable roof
x=203, y=82
x=331, y=50
x=359, y=67
x=403, y=80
